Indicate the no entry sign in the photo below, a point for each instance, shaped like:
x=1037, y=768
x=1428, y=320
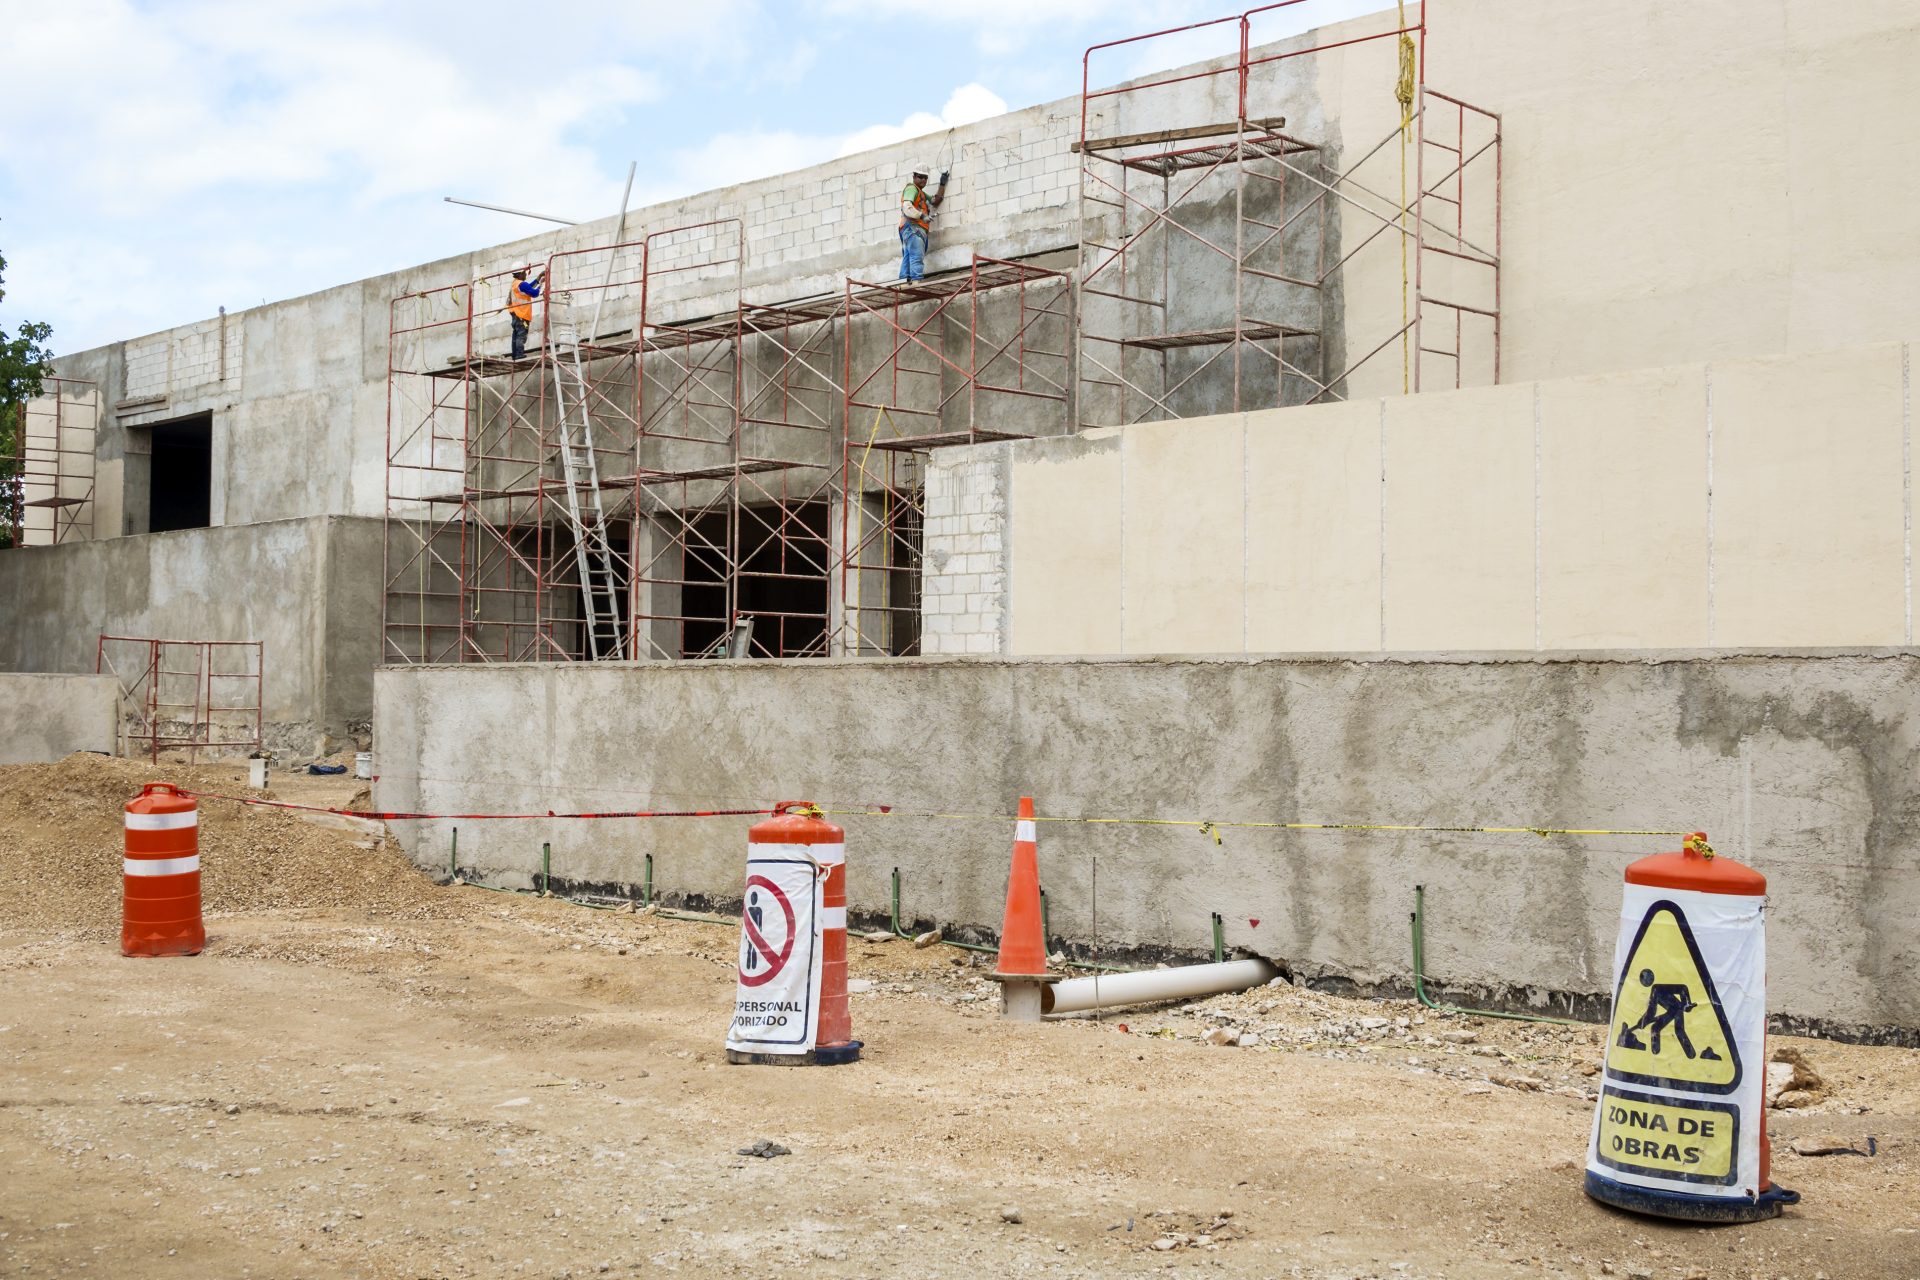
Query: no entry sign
x=776, y=1006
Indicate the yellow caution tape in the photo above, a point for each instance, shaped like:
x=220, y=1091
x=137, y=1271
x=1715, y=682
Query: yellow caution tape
x=1213, y=827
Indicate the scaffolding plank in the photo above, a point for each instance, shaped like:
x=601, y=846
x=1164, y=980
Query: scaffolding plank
x=725, y=471
x=1216, y=337
x=920, y=444
x=1189, y=132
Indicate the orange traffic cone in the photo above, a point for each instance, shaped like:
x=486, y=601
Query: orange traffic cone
x=1021, y=968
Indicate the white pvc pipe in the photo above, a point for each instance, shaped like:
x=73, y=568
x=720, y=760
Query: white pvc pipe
x=1148, y=985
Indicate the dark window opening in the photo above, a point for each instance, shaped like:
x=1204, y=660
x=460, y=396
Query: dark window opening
x=778, y=563
x=703, y=593
x=783, y=578
x=180, y=475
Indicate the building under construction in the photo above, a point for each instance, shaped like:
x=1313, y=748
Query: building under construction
x=1548, y=365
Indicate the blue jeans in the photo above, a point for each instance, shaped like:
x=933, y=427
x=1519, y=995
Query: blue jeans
x=519, y=337
x=913, y=253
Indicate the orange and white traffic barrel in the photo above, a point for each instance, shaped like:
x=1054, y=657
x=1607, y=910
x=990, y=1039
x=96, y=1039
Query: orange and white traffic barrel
x=160, y=913
x=790, y=1005
x=1680, y=1130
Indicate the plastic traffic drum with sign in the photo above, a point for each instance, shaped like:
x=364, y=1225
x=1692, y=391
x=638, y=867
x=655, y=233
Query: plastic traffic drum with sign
x=1680, y=1130
x=790, y=1007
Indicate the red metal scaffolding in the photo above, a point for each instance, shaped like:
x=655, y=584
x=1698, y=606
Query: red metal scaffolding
x=638, y=486
x=186, y=695
x=1213, y=269
x=657, y=479
x=509, y=482
x=963, y=358
x=735, y=463
x=52, y=473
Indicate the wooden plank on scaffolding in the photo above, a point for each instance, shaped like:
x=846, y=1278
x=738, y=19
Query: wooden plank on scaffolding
x=1215, y=337
x=1155, y=136
x=725, y=471
x=920, y=444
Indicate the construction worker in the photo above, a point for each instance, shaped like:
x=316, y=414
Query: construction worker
x=916, y=222
x=520, y=298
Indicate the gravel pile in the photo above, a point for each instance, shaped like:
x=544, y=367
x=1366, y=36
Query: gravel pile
x=63, y=824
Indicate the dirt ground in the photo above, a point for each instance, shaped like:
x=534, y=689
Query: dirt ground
x=370, y=1075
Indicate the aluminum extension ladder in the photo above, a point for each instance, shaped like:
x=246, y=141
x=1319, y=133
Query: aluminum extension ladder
x=579, y=467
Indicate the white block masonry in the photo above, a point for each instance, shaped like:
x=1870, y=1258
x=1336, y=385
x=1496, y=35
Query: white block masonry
x=965, y=551
x=195, y=363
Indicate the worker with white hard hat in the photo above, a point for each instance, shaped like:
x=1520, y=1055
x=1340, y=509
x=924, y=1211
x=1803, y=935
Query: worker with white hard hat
x=916, y=221
x=521, y=295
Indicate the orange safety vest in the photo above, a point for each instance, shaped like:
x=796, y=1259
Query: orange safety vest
x=519, y=303
x=922, y=207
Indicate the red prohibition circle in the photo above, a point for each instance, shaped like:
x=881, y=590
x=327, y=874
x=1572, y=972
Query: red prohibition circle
x=774, y=963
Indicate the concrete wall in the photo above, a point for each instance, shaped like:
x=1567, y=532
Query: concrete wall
x=1802, y=765
x=48, y=716
x=1719, y=180
x=309, y=590
x=1760, y=502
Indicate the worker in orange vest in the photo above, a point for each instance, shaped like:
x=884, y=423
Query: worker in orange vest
x=916, y=222
x=520, y=298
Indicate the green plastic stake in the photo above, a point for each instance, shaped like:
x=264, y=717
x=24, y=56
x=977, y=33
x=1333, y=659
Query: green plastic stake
x=546, y=868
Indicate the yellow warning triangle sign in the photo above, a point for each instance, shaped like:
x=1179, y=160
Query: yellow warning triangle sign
x=1668, y=1027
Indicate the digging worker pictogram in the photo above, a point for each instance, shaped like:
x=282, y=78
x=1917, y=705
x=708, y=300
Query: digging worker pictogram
x=1668, y=1004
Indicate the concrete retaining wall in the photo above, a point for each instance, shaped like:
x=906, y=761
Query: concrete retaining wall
x=48, y=716
x=1802, y=764
x=309, y=590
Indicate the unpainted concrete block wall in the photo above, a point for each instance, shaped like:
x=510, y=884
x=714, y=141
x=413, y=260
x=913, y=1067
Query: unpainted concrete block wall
x=50, y=716
x=964, y=578
x=1803, y=765
x=308, y=590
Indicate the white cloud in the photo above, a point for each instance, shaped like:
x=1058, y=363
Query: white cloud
x=970, y=102
x=218, y=151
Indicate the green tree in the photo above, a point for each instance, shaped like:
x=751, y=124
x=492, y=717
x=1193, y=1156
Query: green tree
x=24, y=361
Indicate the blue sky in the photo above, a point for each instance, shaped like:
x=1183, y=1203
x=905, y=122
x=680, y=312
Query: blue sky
x=161, y=160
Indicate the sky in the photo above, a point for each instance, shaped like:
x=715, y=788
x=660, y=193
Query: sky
x=160, y=160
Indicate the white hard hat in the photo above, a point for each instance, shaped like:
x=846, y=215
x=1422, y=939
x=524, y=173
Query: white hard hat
x=920, y=169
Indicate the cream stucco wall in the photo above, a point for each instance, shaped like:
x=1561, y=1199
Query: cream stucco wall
x=1753, y=503
x=1679, y=182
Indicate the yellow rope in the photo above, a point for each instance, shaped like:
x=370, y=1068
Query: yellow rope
x=1213, y=828
x=860, y=507
x=1403, y=90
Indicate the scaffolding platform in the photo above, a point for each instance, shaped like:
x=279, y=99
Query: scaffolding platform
x=1186, y=133
x=944, y=439
x=725, y=471
x=1217, y=337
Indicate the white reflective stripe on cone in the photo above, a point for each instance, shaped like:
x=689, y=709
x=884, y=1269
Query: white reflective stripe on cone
x=162, y=866
x=825, y=855
x=163, y=821
x=833, y=917
x=1024, y=830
